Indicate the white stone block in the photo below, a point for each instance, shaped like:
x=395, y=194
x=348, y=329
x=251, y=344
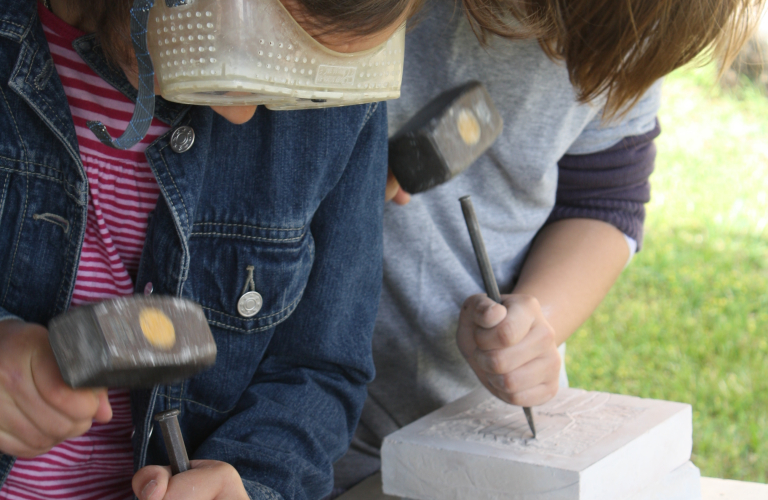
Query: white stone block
x=590, y=446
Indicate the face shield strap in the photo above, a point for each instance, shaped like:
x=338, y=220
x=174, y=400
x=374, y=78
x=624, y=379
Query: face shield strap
x=145, y=102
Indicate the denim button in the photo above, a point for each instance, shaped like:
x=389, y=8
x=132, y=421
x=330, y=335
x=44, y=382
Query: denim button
x=182, y=139
x=249, y=304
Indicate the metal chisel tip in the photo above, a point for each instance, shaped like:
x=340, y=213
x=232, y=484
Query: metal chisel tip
x=529, y=418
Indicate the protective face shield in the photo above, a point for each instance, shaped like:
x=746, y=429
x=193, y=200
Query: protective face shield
x=246, y=52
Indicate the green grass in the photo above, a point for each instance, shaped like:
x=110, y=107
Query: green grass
x=688, y=320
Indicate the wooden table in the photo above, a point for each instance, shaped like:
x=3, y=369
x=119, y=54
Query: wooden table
x=711, y=489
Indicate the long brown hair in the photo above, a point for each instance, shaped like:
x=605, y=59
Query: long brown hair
x=619, y=48
x=356, y=17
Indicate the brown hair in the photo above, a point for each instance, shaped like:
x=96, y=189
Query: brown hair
x=357, y=17
x=619, y=48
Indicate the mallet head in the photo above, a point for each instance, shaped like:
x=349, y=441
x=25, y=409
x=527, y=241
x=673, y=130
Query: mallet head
x=133, y=341
x=444, y=138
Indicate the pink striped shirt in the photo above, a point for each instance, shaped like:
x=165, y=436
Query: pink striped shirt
x=123, y=190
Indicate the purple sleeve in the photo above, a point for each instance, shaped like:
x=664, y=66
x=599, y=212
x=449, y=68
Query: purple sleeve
x=610, y=185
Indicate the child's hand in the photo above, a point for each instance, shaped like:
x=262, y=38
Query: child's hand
x=37, y=409
x=511, y=348
x=206, y=480
x=394, y=192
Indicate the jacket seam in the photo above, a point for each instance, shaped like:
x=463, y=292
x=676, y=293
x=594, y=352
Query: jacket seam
x=174, y=211
x=35, y=174
x=47, y=177
x=18, y=240
x=242, y=330
x=15, y=125
x=14, y=160
x=148, y=424
x=249, y=226
x=187, y=400
x=14, y=24
x=289, y=306
x=26, y=198
x=371, y=110
x=7, y=470
x=29, y=73
x=178, y=192
x=25, y=29
x=257, y=238
x=3, y=195
x=11, y=33
x=42, y=103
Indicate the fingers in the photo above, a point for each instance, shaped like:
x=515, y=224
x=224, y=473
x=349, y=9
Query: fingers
x=37, y=409
x=537, y=342
x=394, y=192
x=392, y=186
x=530, y=385
x=401, y=197
x=535, y=396
x=480, y=312
x=151, y=483
x=511, y=348
x=21, y=437
x=206, y=480
x=477, y=312
x=104, y=411
x=75, y=404
x=522, y=314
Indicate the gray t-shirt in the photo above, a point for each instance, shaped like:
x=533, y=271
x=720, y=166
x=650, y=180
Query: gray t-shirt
x=429, y=266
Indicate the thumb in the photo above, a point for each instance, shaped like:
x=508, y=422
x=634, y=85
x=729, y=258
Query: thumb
x=104, y=411
x=151, y=482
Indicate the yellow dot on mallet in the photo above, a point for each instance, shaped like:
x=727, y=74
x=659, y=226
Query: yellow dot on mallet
x=157, y=328
x=469, y=128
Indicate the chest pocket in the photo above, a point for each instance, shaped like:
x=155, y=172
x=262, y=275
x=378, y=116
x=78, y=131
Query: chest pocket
x=248, y=278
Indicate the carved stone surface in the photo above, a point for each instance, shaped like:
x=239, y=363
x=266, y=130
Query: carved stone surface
x=590, y=446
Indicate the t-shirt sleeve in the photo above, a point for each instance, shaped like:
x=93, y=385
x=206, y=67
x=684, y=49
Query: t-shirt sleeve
x=604, y=175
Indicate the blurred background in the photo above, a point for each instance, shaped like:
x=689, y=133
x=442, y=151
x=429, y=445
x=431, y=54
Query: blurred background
x=688, y=319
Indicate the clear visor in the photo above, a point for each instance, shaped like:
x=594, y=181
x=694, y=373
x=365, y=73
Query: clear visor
x=246, y=52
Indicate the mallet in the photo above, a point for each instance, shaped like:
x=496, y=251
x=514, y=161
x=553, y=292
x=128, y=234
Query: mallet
x=444, y=138
x=132, y=341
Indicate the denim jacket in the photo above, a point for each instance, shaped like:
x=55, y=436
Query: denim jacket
x=296, y=194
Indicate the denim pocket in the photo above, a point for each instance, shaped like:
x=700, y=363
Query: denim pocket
x=220, y=257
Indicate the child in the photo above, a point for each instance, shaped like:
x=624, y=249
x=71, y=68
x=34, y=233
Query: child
x=559, y=195
x=287, y=205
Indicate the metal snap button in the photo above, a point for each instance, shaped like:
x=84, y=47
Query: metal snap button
x=249, y=304
x=182, y=139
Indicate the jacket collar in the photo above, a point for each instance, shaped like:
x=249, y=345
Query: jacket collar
x=90, y=50
x=17, y=20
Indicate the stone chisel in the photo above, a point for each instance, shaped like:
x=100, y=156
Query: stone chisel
x=491, y=287
x=174, y=442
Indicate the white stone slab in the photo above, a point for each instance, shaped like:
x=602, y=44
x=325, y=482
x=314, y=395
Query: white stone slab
x=590, y=446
